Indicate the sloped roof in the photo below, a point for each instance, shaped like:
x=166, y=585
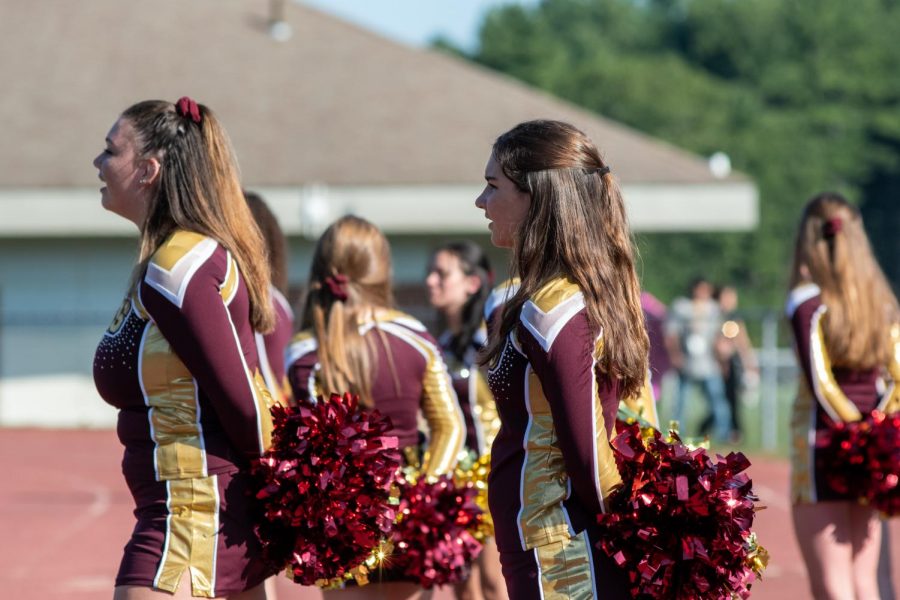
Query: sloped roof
x=334, y=104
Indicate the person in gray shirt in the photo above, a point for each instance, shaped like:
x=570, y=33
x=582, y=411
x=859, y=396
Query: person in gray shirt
x=692, y=328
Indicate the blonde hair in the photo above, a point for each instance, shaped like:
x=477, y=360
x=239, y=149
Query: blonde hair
x=198, y=190
x=832, y=250
x=354, y=249
x=576, y=226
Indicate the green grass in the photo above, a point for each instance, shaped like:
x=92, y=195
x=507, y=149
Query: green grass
x=750, y=418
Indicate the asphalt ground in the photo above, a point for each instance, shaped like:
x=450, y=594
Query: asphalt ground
x=65, y=515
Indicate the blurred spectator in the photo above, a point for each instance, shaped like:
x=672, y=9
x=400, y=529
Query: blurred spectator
x=692, y=328
x=736, y=358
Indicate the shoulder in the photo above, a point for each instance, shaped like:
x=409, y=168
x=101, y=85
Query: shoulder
x=404, y=320
x=549, y=309
x=280, y=303
x=409, y=330
x=802, y=299
x=499, y=296
x=177, y=260
x=302, y=344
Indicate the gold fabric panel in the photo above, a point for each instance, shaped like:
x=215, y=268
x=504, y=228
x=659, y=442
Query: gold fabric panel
x=120, y=317
x=545, y=484
x=230, y=284
x=644, y=404
x=175, y=247
x=484, y=407
x=608, y=478
x=555, y=292
x=566, y=570
x=833, y=398
x=892, y=404
x=171, y=395
x=191, y=536
x=802, y=488
x=264, y=401
x=441, y=409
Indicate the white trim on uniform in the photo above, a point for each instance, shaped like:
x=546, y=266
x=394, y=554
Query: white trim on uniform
x=546, y=326
x=798, y=296
x=173, y=284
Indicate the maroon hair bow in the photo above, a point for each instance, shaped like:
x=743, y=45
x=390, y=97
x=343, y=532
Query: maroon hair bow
x=337, y=285
x=832, y=227
x=187, y=108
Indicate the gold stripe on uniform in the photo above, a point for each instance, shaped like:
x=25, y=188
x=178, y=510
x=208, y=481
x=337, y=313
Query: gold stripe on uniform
x=484, y=407
x=171, y=395
x=229, y=286
x=892, y=402
x=644, y=404
x=439, y=405
x=544, y=484
x=566, y=569
x=834, y=401
x=191, y=535
x=802, y=427
x=264, y=402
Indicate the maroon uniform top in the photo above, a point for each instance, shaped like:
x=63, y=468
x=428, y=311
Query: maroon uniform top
x=180, y=363
x=475, y=399
x=272, y=346
x=826, y=394
x=421, y=381
x=551, y=464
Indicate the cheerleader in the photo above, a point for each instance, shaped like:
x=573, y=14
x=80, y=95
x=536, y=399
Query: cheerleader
x=569, y=344
x=459, y=283
x=845, y=323
x=271, y=346
x=179, y=359
x=353, y=340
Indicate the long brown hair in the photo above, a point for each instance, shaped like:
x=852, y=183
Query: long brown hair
x=354, y=255
x=576, y=226
x=832, y=250
x=198, y=190
x=276, y=244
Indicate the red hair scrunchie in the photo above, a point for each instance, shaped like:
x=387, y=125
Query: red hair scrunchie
x=337, y=285
x=832, y=227
x=188, y=108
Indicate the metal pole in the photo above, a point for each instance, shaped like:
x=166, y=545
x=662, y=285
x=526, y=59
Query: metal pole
x=768, y=411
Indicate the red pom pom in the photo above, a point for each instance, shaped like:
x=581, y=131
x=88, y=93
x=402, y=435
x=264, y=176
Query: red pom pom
x=862, y=459
x=680, y=522
x=884, y=462
x=841, y=457
x=324, y=486
x=433, y=536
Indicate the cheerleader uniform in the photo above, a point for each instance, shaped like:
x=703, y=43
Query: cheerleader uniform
x=475, y=399
x=552, y=468
x=179, y=362
x=827, y=394
x=412, y=377
x=271, y=348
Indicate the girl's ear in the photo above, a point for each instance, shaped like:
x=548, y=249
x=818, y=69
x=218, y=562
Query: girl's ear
x=150, y=168
x=473, y=284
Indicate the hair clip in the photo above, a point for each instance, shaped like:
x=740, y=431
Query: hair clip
x=189, y=109
x=601, y=171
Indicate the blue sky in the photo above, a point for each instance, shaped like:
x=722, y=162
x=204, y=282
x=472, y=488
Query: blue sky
x=415, y=22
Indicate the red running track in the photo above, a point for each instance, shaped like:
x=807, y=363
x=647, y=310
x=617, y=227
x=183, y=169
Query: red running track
x=65, y=514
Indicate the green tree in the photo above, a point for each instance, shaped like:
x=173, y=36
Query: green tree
x=802, y=95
